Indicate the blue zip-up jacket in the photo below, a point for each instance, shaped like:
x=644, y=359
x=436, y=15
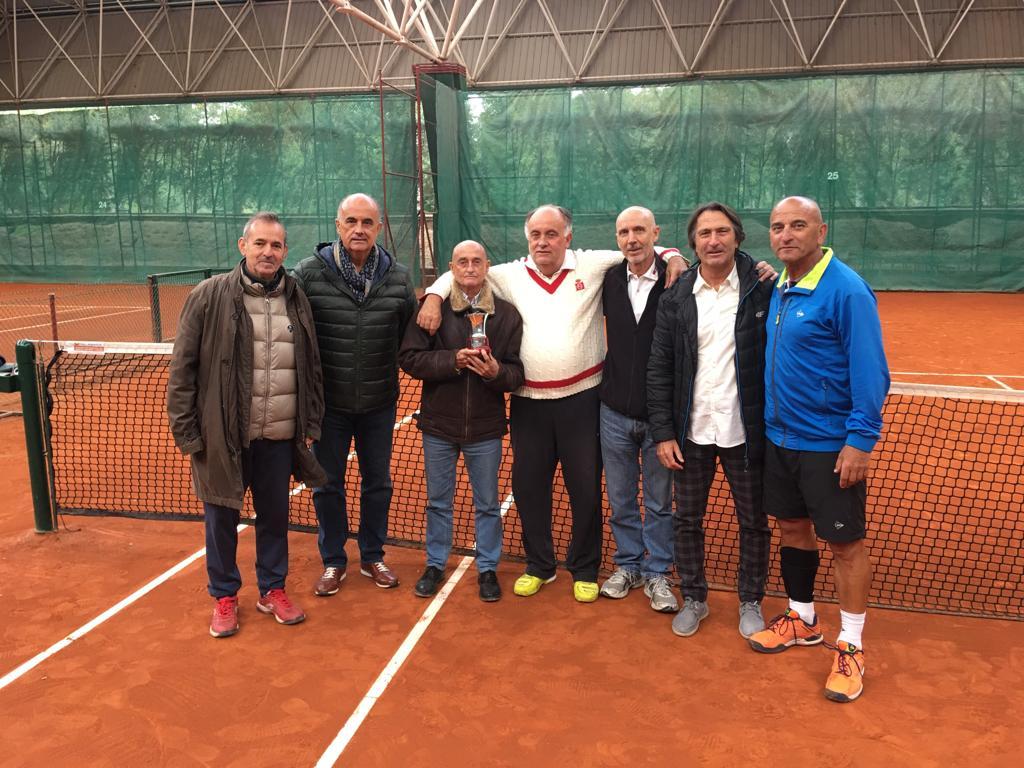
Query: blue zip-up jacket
x=825, y=371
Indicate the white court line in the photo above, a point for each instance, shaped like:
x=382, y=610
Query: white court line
x=85, y=629
x=1001, y=384
x=355, y=720
x=76, y=320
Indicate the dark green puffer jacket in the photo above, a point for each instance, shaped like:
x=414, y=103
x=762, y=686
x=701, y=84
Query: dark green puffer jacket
x=358, y=342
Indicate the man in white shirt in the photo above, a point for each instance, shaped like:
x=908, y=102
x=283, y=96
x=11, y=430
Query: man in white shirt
x=705, y=398
x=554, y=416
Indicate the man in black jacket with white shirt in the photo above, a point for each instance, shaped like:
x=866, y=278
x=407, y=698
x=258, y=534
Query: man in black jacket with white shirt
x=705, y=397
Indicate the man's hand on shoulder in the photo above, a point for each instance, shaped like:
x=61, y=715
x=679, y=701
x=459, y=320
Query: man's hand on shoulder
x=765, y=271
x=675, y=265
x=429, y=317
x=852, y=466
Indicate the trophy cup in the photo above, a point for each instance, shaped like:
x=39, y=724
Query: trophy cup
x=478, y=331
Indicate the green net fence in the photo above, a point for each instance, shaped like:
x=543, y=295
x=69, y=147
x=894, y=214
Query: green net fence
x=111, y=194
x=917, y=174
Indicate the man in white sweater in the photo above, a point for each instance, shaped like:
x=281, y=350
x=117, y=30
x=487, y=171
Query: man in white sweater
x=554, y=416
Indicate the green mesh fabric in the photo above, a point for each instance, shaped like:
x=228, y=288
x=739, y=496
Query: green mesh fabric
x=918, y=175
x=112, y=194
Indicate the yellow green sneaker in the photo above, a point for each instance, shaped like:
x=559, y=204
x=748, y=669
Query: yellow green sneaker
x=527, y=585
x=585, y=591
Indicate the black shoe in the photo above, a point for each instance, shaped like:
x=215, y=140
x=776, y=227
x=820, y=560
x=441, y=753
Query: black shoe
x=490, y=589
x=429, y=582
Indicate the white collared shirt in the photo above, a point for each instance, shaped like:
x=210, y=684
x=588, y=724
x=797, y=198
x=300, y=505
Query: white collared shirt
x=639, y=288
x=715, y=418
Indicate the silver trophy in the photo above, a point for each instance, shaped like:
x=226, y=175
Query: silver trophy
x=478, y=331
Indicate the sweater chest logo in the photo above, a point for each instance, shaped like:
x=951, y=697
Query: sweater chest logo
x=579, y=285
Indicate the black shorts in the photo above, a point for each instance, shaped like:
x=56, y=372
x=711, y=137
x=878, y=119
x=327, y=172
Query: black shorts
x=802, y=484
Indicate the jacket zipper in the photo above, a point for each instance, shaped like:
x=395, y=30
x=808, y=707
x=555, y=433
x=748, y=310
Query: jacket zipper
x=739, y=389
x=266, y=355
x=779, y=320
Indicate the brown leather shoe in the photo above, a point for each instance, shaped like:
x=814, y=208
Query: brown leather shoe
x=382, y=576
x=329, y=583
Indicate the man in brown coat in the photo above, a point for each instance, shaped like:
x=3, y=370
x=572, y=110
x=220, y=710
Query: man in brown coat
x=245, y=400
x=466, y=368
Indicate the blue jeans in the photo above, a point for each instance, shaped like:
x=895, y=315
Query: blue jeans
x=482, y=459
x=372, y=433
x=626, y=447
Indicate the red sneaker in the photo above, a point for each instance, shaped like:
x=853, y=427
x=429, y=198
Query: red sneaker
x=277, y=604
x=225, y=617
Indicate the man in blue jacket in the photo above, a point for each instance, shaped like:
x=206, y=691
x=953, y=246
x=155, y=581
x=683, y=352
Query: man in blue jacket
x=825, y=383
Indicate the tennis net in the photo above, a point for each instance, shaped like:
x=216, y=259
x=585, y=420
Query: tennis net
x=945, y=512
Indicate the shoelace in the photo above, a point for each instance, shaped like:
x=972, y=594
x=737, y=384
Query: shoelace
x=331, y=572
x=279, y=597
x=783, y=625
x=846, y=656
x=659, y=587
x=225, y=607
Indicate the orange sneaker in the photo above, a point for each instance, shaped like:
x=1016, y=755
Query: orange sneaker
x=846, y=681
x=784, y=631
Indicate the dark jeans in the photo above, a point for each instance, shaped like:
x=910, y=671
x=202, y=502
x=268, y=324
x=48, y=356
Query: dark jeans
x=266, y=470
x=544, y=434
x=373, y=434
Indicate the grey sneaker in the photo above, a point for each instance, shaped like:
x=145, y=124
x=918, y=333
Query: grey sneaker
x=620, y=582
x=751, y=620
x=688, y=620
x=662, y=599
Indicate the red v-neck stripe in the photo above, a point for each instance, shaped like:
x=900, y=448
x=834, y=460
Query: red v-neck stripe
x=549, y=287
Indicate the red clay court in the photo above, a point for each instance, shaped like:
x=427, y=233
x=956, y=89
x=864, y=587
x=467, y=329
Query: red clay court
x=377, y=677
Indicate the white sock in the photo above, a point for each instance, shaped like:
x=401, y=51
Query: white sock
x=806, y=611
x=852, y=627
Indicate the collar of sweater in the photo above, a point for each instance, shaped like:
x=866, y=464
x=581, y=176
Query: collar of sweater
x=484, y=302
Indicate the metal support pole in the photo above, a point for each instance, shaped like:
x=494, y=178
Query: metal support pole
x=35, y=441
x=154, y=308
x=53, y=321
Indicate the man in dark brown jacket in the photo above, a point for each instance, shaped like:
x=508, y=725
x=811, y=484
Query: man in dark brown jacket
x=466, y=368
x=245, y=400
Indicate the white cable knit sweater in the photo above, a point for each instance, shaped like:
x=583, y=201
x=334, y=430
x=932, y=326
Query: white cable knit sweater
x=563, y=345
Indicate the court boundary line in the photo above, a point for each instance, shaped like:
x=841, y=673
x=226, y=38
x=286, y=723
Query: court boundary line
x=27, y=666
x=340, y=742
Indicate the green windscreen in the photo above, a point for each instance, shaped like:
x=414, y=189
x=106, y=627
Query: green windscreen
x=111, y=194
x=918, y=175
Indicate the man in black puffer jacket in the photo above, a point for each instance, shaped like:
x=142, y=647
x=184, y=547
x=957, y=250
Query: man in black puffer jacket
x=705, y=398
x=362, y=299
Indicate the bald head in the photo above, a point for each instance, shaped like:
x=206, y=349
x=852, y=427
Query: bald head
x=636, y=232
x=797, y=232
x=806, y=204
x=358, y=198
x=358, y=225
x=469, y=266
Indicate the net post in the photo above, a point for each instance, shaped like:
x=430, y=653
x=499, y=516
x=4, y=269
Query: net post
x=28, y=379
x=154, y=308
x=53, y=320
